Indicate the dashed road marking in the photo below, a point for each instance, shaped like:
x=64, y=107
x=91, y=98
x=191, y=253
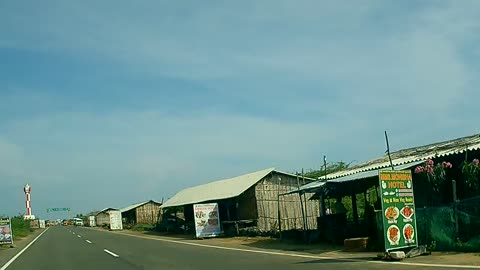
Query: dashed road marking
x=111, y=253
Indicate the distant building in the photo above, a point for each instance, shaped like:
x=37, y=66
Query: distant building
x=102, y=218
x=141, y=213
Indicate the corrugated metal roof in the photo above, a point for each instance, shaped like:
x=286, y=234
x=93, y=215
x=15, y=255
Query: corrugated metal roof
x=312, y=187
x=410, y=155
x=105, y=210
x=133, y=206
x=218, y=190
x=372, y=173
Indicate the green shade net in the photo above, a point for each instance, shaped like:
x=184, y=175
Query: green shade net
x=436, y=226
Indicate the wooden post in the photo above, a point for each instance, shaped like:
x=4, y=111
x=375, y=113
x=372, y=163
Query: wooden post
x=278, y=208
x=152, y=209
x=325, y=167
x=388, y=151
x=279, y=217
x=305, y=203
x=227, y=203
x=355, y=209
x=237, y=207
x=301, y=206
x=455, y=204
x=322, y=204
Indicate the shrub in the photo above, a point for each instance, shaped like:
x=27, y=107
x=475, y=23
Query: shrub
x=20, y=227
x=142, y=227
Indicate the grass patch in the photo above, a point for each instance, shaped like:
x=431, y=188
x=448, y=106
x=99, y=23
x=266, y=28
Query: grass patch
x=20, y=227
x=143, y=227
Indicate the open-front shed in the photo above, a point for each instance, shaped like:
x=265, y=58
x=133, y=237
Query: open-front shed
x=147, y=212
x=102, y=218
x=252, y=200
x=359, y=186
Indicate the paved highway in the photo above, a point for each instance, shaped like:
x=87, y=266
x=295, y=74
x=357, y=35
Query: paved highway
x=84, y=248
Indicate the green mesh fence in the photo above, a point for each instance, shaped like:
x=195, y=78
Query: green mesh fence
x=437, y=226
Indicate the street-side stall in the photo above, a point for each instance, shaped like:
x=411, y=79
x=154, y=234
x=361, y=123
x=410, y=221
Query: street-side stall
x=350, y=206
x=445, y=181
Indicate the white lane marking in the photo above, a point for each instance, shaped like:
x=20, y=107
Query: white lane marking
x=21, y=251
x=302, y=255
x=88, y=241
x=73, y=232
x=111, y=253
x=79, y=236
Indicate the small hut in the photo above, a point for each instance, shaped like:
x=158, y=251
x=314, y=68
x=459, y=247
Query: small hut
x=252, y=200
x=147, y=212
x=102, y=218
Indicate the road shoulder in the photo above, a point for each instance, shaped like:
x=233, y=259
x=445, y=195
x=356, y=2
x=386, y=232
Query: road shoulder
x=437, y=258
x=6, y=253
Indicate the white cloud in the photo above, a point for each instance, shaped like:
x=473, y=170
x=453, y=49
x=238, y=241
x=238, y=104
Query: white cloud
x=313, y=41
x=340, y=73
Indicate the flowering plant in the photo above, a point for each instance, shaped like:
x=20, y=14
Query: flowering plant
x=471, y=171
x=435, y=173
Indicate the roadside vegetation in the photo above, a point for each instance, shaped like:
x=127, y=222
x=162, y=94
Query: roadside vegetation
x=141, y=227
x=20, y=227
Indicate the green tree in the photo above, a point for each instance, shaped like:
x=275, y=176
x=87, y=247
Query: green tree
x=332, y=167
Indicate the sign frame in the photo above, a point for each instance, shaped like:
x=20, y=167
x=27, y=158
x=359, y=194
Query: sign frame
x=91, y=221
x=115, y=217
x=6, y=223
x=398, y=208
x=207, y=220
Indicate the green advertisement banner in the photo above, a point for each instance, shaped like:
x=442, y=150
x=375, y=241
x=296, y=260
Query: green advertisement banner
x=398, y=205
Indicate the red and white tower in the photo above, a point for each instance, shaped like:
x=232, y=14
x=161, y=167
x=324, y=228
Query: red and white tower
x=28, y=189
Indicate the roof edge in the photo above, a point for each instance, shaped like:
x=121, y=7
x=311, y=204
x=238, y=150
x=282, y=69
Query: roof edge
x=266, y=172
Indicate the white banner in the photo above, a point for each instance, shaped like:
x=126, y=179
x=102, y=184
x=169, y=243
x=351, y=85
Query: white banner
x=207, y=220
x=41, y=223
x=91, y=221
x=115, y=220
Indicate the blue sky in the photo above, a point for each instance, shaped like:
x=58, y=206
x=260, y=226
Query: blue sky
x=104, y=104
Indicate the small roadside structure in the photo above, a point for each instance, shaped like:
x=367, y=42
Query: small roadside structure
x=359, y=187
x=251, y=200
x=102, y=218
x=147, y=212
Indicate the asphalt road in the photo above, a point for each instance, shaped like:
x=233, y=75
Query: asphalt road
x=84, y=248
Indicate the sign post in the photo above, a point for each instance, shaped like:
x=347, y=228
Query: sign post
x=6, y=235
x=207, y=220
x=398, y=206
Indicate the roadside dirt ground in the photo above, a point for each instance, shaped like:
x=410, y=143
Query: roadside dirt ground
x=324, y=250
